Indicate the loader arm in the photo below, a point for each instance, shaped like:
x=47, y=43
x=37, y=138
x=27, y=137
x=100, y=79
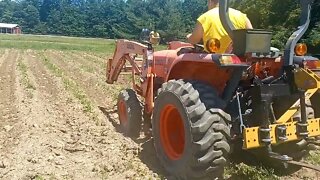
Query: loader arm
x=122, y=53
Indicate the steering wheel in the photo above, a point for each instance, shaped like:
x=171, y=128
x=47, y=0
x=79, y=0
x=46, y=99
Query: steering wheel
x=198, y=48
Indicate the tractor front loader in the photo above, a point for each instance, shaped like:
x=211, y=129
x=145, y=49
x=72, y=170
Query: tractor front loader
x=203, y=106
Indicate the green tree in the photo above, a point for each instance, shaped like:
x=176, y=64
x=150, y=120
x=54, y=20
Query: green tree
x=31, y=18
x=72, y=20
x=138, y=17
x=6, y=11
x=125, y=18
x=190, y=10
x=171, y=24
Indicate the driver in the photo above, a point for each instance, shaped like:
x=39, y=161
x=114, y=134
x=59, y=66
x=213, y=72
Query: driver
x=208, y=26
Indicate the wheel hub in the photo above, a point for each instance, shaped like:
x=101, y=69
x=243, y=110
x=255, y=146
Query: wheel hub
x=123, y=113
x=172, y=133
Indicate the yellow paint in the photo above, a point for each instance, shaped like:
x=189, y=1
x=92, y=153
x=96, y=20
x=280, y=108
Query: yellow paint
x=305, y=79
x=295, y=107
x=301, y=77
x=251, y=138
x=251, y=135
x=313, y=127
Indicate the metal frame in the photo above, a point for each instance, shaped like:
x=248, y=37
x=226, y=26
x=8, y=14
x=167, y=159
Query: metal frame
x=123, y=52
x=284, y=128
x=224, y=17
x=295, y=37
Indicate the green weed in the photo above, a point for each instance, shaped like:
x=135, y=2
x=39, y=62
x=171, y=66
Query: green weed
x=72, y=87
x=314, y=157
x=87, y=68
x=244, y=172
x=39, y=177
x=25, y=79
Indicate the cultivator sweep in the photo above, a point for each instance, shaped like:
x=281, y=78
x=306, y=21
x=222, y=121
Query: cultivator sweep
x=203, y=106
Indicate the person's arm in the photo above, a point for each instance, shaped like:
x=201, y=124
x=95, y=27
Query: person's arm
x=248, y=24
x=197, y=34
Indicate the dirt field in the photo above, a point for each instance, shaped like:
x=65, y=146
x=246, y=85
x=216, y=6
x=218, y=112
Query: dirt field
x=58, y=121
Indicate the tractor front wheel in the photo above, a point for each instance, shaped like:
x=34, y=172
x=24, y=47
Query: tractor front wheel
x=190, y=130
x=130, y=112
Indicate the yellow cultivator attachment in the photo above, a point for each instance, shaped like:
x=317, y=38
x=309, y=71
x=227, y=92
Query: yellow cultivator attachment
x=285, y=128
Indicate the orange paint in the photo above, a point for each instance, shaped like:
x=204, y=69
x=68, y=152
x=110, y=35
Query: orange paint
x=172, y=133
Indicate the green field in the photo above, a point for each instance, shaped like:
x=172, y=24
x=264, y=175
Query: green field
x=56, y=43
x=40, y=42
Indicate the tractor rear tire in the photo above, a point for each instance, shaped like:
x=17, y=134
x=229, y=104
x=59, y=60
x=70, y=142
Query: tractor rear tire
x=315, y=101
x=130, y=113
x=190, y=130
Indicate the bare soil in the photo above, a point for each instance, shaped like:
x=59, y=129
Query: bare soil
x=45, y=133
x=58, y=121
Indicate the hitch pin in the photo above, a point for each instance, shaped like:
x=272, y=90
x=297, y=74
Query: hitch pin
x=242, y=126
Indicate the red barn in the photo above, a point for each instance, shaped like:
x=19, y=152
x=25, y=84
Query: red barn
x=10, y=28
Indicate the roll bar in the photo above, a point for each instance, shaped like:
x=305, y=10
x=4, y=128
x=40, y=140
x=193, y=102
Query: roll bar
x=295, y=37
x=224, y=17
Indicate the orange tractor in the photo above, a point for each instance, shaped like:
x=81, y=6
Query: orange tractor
x=203, y=106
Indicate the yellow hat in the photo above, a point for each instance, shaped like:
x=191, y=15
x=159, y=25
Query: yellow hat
x=154, y=37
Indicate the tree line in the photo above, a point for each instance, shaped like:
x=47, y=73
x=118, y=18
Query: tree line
x=173, y=19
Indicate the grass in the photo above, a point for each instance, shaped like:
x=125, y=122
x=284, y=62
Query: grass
x=87, y=69
x=25, y=79
x=39, y=177
x=56, y=43
x=42, y=177
x=41, y=42
x=314, y=158
x=244, y=172
x=98, y=60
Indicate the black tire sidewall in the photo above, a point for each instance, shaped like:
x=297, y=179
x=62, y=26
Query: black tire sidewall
x=315, y=102
x=133, y=112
